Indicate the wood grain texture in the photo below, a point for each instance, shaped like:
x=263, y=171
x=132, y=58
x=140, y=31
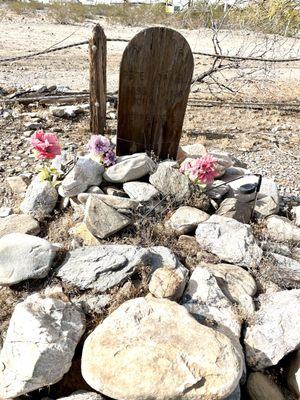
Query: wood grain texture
x=155, y=77
x=97, y=55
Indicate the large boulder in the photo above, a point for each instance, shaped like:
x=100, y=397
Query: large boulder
x=273, y=332
x=40, y=199
x=129, y=168
x=163, y=352
x=24, y=257
x=39, y=346
x=230, y=240
x=19, y=223
x=85, y=173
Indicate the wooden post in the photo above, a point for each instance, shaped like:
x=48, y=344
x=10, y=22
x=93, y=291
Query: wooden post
x=97, y=54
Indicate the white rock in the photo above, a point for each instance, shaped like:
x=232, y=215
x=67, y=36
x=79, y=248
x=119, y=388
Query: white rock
x=186, y=219
x=66, y=111
x=129, y=168
x=85, y=173
x=282, y=229
x=39, y=346
x=95, y=190
x=5, y=212
x=230, y=240
x=140, y=191
x=24, y=257
x=274, y=330
x=287, y=268
x=119, y=203
x=167, y=283
x=268, y=198
x=40, y=199
x=83, y=395
x=162, y=351
x=92, y=303
x=195, y=150
x=19, y=223
x=206, y=301
x=170, y=182
x=223, y=161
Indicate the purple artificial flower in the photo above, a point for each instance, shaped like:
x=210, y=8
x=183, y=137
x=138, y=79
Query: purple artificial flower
x=98, y=144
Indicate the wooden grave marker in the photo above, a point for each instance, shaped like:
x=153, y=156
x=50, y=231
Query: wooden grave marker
x=97, y=55
x=155, y=78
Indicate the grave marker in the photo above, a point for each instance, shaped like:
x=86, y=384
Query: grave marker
x=155, y=78
x=97, y=54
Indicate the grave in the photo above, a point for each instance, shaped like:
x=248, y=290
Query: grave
x=155, y=77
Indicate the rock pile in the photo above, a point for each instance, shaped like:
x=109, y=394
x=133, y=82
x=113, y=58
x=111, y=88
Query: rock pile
x=206, y=330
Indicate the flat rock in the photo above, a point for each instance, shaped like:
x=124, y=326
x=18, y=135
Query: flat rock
x=19, y=223
x=170, y=182
x=186, y=219
x=268, y=198
x=92, y=303
x=195, y=150
x=129, y=168
x=282, y=229
x=261, y=387
x=140, y=191
x=162, y=351
x=205, y=300
x=287, y=268
x=101, y=267
x=66, y=111
x=39, y=346
x=168, y=283
x=85, y=173
x=40, y=199
x=102, y=220
x=119, y=203
x=236, y=283
x=24, y=257
x=230, y=240
x=274, y=330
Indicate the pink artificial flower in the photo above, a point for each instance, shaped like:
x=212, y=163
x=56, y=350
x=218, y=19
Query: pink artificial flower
x=200, y=170
x=45, y=144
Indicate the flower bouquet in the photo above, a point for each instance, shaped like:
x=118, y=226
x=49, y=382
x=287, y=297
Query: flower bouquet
x=201, y=171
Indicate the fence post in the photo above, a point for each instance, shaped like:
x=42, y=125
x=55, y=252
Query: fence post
x=97, y=55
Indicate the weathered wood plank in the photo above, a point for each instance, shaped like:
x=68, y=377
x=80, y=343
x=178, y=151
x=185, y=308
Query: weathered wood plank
x=155, y=77
x=97, y=54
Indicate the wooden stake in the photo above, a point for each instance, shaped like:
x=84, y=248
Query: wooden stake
x=97, y=54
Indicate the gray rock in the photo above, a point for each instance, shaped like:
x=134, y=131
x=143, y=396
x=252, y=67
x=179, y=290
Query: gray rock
x=40, y=199
x=95, y=190
x=66, y=111
x=19, y=223
x=281, y=229
x=129, y=168
x=195, y=150
x=273, y=332
x=112, y=191
x=260, y=387
x=170, y=182
x=119, y=203
x=224, y=161
x=92, y=303
x=85, y=173
x=39, y=346
x=236, y=395
x=236, y=283
x=101, y=267
x=103, y=220
x=268, y=198
x=140, y=191
x=205, y=300
x=83, y=395
x=217, y=190
x=186, y=219
x=287, y=268
x=24, y=257
x=230, y=240
x=18, y=184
